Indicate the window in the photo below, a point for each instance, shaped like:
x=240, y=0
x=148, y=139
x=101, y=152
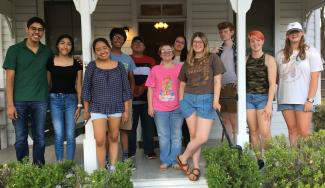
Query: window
x=62, y=18
x=149, y=9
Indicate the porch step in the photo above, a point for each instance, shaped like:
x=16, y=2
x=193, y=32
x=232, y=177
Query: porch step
x=170, y=183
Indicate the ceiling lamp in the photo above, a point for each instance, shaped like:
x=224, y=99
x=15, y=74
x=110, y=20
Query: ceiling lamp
x=161, y=25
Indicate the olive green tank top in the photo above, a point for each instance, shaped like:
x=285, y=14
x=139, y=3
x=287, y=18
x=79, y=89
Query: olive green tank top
x=256, y=75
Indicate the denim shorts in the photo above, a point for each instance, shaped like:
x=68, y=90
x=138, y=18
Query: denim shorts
x=95, y=116
x=256, y=101
x=202, y=104
x=295, y=107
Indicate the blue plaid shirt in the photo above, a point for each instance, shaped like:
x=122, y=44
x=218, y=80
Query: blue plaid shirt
x=106, y=90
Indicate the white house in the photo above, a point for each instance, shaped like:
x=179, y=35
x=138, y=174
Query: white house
x=97, y=17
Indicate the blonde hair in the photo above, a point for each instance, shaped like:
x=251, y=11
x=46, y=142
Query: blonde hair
x=287, y=51
x=191, y=53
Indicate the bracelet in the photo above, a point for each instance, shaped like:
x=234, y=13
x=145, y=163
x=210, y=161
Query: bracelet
x=79, y=105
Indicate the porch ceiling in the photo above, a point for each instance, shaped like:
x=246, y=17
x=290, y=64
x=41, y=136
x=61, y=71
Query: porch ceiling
x=310, y=5
x=5, y=8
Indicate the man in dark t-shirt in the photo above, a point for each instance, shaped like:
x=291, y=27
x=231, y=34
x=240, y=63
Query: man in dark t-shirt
x=140, y=103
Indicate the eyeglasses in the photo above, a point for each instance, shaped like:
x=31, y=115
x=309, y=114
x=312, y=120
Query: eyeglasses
x=39, y=29
x=180, y=42
x=197, y=42
x=118, y=37
x=166, y=51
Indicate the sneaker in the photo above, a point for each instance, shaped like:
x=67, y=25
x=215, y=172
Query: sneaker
x=163, y=166
x=151, y=156
x=107, y=165
x=112, y=169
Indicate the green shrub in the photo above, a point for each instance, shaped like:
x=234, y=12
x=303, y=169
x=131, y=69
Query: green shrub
x=301, y=166
x=319, y=118
x=4, y=174
x=64, y=175
x=227, y=167
x=119, y=179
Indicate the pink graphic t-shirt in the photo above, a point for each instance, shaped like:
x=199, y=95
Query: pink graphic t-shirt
x=165, y=84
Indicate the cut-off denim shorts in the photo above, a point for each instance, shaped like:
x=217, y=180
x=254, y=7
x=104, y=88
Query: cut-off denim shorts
x=95, y=116
x=201, y=104
x=256, y=101
x=295, y=107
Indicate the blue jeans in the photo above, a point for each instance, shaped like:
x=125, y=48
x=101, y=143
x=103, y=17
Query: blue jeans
x=169, y=128
x=148, y=127
x=256, y=101
x=35, y=112
x=201, y=104
x=63, y=108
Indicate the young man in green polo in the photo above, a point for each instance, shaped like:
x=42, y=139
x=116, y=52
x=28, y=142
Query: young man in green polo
x=27, y=89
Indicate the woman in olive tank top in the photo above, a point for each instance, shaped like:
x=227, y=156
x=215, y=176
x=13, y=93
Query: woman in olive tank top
x=260, y=88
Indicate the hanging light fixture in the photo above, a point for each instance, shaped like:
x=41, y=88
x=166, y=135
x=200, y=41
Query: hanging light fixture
x=161, y=25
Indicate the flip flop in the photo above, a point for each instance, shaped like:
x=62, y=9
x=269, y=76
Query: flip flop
x=182, y=165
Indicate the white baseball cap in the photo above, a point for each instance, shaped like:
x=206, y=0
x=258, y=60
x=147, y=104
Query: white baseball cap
x=294, y=26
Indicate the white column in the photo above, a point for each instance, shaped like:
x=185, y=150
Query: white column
x=85, y=8
x=241, y=7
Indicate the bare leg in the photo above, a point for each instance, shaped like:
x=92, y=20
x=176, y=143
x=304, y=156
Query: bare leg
x=253, y=129
x=303, y=123
x=114, y=125
x=290, y=118
x=100, y=127
x=201, y=137
x=264, y=128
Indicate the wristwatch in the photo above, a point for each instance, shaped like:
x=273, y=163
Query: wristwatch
x=79, y=105
x=310, y=100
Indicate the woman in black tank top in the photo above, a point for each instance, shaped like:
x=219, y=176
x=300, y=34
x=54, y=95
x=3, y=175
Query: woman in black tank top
x=260, y=87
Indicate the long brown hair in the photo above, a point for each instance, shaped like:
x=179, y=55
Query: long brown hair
x=191, y=53
x=287, y=51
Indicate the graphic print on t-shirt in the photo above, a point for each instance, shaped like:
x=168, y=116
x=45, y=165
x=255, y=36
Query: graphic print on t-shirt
x=166, y=93
x=291, y=71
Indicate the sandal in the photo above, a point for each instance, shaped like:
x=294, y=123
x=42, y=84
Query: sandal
x=195, y=174
x=183, y=166
x=163, y=166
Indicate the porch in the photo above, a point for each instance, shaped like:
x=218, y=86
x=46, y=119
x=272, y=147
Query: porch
x=147, y=173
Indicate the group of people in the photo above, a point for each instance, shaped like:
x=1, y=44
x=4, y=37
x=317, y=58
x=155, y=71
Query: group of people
x=179, y=95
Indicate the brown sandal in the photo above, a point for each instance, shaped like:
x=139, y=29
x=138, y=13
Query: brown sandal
x=195, y=174
x=182, y=166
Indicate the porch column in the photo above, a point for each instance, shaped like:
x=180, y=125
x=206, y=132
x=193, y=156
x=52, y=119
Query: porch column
x=241, y=7
x=86, y=8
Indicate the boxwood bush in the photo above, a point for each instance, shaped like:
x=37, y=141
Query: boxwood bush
x=302, y=166
x=226, y=167
x=62, y=175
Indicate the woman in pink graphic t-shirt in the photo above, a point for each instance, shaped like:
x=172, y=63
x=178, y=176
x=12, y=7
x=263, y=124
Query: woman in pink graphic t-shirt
x=163, y=105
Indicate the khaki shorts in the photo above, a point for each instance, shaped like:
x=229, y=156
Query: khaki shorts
x=228, y=105
x=128, y=125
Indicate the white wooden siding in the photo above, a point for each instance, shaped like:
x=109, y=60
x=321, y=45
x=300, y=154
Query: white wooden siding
x=6, y=40
x=286, y=11
x=23, y=10
x=205, y=16
x=109, y=14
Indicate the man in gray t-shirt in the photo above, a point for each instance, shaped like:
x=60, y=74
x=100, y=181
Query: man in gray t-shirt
x=228, y=94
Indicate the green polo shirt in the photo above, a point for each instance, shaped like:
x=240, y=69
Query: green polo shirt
x=30, y=71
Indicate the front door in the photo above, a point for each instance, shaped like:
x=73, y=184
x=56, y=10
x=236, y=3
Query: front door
x=153, y=37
